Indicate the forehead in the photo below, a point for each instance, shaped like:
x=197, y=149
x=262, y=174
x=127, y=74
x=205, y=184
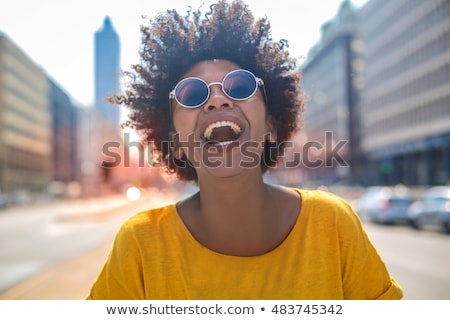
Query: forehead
x=211, y=69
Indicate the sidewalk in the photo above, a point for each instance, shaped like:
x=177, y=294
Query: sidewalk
x=70, y=280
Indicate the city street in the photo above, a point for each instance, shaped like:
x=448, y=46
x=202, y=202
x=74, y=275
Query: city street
x=418, y=260
x=34, y=239
x=55, y=251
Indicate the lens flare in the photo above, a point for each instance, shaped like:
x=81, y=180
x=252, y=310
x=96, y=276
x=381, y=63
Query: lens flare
x=133, y=194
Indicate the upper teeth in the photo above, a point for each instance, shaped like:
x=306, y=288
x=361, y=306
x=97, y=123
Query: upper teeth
x=220, y=124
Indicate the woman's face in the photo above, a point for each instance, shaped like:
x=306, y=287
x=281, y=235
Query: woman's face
x=222, y=137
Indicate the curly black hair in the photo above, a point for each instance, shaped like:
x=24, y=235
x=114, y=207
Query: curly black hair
x=173, y=43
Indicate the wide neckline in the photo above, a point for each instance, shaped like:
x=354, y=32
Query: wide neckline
x=186, y=234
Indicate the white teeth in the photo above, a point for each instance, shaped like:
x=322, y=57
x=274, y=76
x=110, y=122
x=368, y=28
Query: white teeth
x=219, y=124
x=224, y=143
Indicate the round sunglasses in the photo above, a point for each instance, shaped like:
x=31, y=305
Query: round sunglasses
x=238, y=85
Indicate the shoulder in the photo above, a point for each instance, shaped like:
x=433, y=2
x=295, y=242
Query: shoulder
x=318, y=199
x=144, y=223
x=328, y=207
x=155, y=215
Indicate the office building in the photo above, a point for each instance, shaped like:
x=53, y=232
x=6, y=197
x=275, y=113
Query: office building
x=405, y=102
x=64, y=129
x=331, y=78
x=107, y=72
x=25, y=123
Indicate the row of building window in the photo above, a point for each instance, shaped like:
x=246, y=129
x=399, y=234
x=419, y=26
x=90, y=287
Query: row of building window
x=409, y=32
x=414, y=58
x=423, y=115
x=27, y=73
x=378, y=14
x=20, y=159
x=413, y=88
x=32, y=128
x=417, y=168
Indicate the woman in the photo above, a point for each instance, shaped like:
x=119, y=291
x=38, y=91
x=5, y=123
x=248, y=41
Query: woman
x=226, y=97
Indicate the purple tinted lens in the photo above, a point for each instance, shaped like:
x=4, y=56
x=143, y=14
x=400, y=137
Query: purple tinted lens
x=192, y=92
x=240, y=85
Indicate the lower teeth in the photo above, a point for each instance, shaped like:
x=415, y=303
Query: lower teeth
x=223, y=143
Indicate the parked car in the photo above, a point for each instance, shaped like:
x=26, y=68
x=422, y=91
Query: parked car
x=432, y=209
x=3, y=200
x=385, y=205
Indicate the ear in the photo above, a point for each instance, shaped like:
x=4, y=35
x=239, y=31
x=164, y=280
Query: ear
x=271, y=130
x=175, y=147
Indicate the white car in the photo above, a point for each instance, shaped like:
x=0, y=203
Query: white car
x=433, y=209
x=384, y=205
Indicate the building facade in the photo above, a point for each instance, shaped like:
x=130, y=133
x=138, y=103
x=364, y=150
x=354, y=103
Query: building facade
x=107, y=71
x=405, y=103
x=25, y=123
x=331, y=79
x=64, y=130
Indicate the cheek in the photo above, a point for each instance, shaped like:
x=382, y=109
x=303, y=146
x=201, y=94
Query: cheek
x=184, y=120
x=259, y=124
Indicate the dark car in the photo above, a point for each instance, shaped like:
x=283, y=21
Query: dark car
x=432, y=210
x=385, y=205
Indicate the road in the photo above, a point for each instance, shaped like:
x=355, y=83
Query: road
x=44, y=237
x=418, y=260
x=35, y=238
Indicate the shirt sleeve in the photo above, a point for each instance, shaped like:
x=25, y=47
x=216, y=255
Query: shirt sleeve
x=365, y=275
x=121, y=277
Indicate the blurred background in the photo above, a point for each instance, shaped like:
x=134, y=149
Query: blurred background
x=377, y=74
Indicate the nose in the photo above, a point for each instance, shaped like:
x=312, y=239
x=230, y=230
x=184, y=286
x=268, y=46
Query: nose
x=217, y=99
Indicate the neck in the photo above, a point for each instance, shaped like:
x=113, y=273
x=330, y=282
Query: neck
x=234, y=198
x=240, y=215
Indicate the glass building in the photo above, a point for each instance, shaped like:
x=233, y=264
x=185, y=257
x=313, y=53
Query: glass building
x=65, y=140
x=107, y=71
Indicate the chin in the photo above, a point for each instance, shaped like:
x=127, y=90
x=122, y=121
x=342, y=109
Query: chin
x=228, y=170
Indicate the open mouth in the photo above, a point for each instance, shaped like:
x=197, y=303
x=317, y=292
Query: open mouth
x=222, y=133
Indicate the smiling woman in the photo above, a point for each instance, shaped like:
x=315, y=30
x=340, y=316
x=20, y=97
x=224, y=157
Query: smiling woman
x=175, y=43
x=227, y=97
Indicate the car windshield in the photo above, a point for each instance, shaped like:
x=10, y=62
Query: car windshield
x=440, y=194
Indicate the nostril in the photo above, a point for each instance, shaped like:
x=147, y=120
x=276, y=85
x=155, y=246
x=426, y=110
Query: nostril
x=211, y=107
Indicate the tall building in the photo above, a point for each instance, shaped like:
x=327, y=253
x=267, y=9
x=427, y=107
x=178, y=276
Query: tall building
x=331, y=78
x=64, y=124
x=405, y=106
x=25, y=123
x=107, y=71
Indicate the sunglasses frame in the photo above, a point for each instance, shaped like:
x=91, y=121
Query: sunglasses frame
x=258, y=81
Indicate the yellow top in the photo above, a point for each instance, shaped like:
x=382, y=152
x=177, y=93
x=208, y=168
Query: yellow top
x=327, y=255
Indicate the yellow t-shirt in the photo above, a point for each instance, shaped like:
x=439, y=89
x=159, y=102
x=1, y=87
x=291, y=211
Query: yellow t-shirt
x=327, y=255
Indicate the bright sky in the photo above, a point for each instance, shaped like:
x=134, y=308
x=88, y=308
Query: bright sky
x=59, y=35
